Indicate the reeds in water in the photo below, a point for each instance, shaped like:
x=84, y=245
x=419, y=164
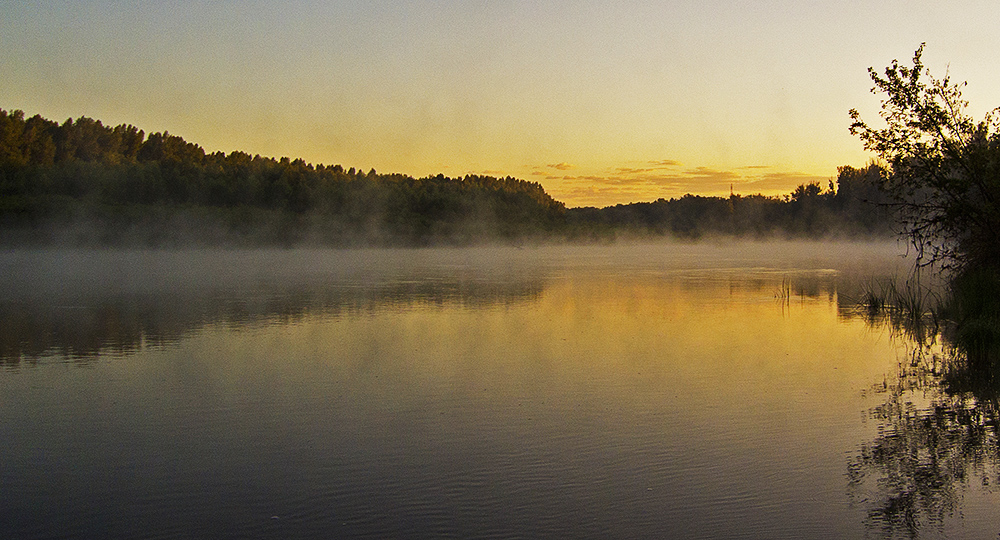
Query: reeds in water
x=784, y=293
x=964, y=316
x=910, y=308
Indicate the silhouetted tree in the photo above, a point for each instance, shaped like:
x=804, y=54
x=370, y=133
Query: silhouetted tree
x=944, y=167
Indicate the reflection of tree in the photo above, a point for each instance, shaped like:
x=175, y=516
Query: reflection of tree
x=84, y=328
x=932, y=444
x=77, y=332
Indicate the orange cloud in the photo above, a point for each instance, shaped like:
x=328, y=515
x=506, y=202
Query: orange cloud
x=621, y=185
x=563, y=166
x=628, y=170
x=665, y=163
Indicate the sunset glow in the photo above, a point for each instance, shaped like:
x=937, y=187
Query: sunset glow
x=600, y=102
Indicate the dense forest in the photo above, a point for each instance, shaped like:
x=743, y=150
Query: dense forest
x=84, y=183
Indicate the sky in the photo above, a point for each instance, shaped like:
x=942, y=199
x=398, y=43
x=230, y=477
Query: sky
x=601, y=102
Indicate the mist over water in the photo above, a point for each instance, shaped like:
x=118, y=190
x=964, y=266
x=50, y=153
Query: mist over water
x=696, y=390
x=64, y=272
x=159, y=295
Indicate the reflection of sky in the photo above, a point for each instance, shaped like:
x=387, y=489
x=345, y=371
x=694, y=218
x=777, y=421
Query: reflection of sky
x=82, y=303
x=750, y=94
x=679, y=393
x=650, y=402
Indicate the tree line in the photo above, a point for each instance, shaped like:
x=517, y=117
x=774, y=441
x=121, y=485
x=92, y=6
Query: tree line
x=83, y=182
x=850, y=207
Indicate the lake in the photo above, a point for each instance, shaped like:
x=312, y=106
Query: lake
x=716, y=390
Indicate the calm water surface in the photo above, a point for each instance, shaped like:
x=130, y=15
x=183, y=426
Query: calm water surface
x=685, y=391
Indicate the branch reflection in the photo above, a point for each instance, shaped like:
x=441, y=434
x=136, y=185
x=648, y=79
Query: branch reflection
x=83, y=328
x=937, y=438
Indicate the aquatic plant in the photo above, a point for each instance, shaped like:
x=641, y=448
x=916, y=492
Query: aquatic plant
x=784, y=292
x=910, y=308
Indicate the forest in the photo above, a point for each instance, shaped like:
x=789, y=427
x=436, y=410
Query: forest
x=84, y=183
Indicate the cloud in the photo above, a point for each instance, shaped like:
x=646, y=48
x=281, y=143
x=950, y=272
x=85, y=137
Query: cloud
x=589, y=194
x=638, y=181
x=648, y=166
x=710, y=173
x=629, y=170
x=784, y=182
x=665, y=163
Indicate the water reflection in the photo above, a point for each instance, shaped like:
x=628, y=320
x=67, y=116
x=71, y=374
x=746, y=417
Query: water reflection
x=695, y=391
x=83, y=327
x=96, y=315
x=80, y=305
x=93, y=326
x=936, y=450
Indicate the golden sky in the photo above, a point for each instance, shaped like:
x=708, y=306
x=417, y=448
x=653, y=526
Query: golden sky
x=602, y=102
